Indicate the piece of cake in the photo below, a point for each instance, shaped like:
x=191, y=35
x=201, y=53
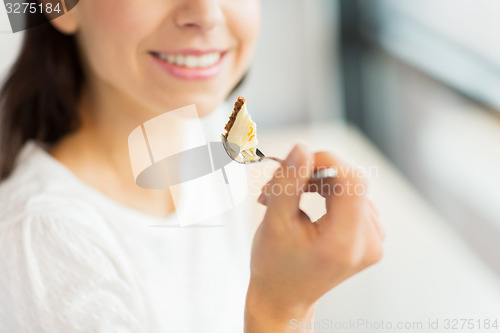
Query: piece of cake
x=240, y=129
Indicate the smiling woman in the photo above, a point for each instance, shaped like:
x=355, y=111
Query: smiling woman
x=77, y=253
x=126, y=47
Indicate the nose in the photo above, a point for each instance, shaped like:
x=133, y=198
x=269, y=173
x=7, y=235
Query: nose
x=203, y=15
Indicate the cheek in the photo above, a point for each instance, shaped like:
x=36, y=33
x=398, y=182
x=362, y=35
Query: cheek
x=245, y=27
x=251, y=19
x=110, y=35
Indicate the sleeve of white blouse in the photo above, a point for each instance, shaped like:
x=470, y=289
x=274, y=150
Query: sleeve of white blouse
x=60, y=274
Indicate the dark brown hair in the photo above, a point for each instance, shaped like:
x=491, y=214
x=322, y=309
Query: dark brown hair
x=40, y=95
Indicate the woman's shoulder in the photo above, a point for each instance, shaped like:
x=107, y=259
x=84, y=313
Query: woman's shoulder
x=24, y=183
x=37, y=187
x=40, y=205
x=55, y=249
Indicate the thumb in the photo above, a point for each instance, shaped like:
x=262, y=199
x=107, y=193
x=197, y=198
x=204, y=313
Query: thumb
x=289, y=182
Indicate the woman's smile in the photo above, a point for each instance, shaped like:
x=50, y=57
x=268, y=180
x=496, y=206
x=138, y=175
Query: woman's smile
x=156, y=56
x=191, y=64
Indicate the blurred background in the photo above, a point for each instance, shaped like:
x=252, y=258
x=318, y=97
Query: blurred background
x=420, y=79
x=412, y=87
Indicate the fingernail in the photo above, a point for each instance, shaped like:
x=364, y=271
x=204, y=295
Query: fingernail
x=293, y=159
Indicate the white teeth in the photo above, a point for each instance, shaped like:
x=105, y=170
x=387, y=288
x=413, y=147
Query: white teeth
x=179, y=60
x=191, y=61
x=205, y=61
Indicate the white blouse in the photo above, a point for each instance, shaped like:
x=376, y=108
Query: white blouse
x=73, y=260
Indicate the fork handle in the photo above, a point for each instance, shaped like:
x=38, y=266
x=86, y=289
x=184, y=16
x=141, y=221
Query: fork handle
x=279, y=160
x=318, y=174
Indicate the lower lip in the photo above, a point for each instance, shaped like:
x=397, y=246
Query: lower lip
x=187, y=73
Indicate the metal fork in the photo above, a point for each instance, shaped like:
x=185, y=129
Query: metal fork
x=241, y=156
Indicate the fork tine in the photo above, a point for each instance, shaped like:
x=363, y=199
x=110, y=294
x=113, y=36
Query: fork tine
x=244, y=153
x=259, y=153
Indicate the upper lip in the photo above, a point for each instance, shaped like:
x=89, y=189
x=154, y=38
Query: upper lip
x=195, y=52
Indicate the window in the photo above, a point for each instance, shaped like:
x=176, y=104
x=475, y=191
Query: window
x=421, y=79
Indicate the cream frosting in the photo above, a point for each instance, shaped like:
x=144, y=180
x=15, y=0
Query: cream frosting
x=244, y=131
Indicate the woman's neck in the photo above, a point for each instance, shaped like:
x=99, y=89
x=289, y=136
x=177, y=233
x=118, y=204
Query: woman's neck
x=97, y=152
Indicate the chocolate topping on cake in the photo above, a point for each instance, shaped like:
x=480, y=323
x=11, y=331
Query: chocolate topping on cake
x=232, y=118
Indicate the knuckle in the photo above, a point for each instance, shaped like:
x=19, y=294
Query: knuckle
x=355, y=254
x=375, y=254
x=346, y=256
x=350, y=259
x=355, y=178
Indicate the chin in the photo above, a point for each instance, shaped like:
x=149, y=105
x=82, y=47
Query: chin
x=206, y=109
x=206, y=101
x=205, y=104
